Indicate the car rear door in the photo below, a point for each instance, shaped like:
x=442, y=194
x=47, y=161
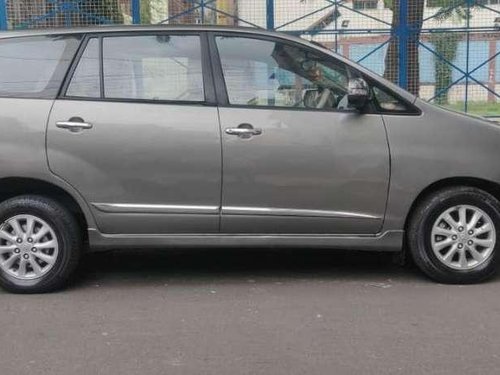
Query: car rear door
x=290, y=167
x=136, y=132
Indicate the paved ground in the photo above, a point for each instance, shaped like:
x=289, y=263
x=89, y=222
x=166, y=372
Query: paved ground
x=261, y=312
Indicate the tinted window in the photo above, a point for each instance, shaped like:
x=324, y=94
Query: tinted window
x=35, y=66
x=388, y=103
x=86, y=81
x=153, y=67
x=266, y=73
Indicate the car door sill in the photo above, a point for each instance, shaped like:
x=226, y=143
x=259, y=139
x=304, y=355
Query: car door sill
x=391, y=240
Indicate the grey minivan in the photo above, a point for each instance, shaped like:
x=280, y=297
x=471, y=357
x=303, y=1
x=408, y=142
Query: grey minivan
x=136, y=137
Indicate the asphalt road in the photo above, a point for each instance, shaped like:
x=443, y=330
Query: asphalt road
x=251, y=312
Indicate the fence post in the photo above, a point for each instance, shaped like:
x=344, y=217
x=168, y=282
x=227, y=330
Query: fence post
x=403, y=38
x=270, y=14
x=136, y=12
x=3, y=15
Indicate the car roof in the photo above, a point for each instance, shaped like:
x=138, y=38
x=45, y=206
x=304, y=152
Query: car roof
x=139, y=28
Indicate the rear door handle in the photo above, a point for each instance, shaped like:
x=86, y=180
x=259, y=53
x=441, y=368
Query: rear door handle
x=74, y=124
x=244, y=131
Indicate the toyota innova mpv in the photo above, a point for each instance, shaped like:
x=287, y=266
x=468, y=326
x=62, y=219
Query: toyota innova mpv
x=140, y=137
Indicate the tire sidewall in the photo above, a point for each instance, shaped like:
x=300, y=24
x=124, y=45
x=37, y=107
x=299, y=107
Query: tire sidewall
x=422, y=250
x=46, y=211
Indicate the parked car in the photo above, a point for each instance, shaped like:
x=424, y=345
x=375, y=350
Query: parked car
x=137, y=137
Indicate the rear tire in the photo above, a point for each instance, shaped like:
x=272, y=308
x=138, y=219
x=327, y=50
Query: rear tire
x=40, y=244
x=452, y=235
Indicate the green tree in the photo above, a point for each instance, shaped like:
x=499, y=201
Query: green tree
x=415, y=20
x=445, y=45
x=445, y=10
x=146, y=12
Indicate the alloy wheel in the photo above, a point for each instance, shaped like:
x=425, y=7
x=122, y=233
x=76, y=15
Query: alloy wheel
x=463, y=237
x=28, y=247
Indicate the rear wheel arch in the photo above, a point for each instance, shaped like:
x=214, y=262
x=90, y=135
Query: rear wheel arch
x=16, y=186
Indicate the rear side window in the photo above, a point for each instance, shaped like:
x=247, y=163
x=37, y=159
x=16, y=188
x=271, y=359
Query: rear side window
x=145, y=67
x=153, y=67
x=34, y=67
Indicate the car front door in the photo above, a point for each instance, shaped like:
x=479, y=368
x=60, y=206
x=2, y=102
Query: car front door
x=136, y=134
x=296, y=159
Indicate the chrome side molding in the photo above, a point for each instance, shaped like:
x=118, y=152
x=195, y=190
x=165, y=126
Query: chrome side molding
x=227, y=210
x=155, y=208
x=236, y=210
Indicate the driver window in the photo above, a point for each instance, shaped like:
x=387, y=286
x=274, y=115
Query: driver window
x=266, y=73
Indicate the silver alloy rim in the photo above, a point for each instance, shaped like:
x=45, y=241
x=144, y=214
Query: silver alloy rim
x=463, y=237
x=28, y=247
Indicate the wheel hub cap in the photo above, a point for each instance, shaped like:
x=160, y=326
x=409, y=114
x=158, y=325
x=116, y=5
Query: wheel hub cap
x=28, y=247
x=463, y=237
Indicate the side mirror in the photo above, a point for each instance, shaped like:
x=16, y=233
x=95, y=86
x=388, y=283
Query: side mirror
x=358, y=93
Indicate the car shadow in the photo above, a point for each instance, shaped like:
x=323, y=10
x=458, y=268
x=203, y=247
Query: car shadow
x=238, y=265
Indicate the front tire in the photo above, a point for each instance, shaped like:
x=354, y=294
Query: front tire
x=452, y=235
x=40, y=244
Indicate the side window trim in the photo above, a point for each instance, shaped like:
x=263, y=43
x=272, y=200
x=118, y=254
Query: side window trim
x=210, y=95
x=101, y=69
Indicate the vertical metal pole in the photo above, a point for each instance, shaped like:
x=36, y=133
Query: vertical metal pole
x=136, y=12
x=67, y=18
x=202, y=10
x=466, y=103
x=3, y=15
x=403, y=38
x=271, y=99
x=335, y=15
x=270, y=14
x=492, y=68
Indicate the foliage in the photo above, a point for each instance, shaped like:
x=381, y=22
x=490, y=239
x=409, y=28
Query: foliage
x=445, y=10
x=146, y=12
x=446, y=46
x=451, y=8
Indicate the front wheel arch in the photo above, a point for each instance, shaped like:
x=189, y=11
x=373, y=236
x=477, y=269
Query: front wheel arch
x=439, y=266
x=490, y=187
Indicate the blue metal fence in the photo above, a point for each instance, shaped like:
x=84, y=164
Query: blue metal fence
x=444, y=50
x=3, y=15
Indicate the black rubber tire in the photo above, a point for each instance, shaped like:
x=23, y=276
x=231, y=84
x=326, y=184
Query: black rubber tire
x=420, y=227
x=69, y=236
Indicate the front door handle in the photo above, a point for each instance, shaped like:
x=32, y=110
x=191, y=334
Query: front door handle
x=74, y=124
x=244, y=131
